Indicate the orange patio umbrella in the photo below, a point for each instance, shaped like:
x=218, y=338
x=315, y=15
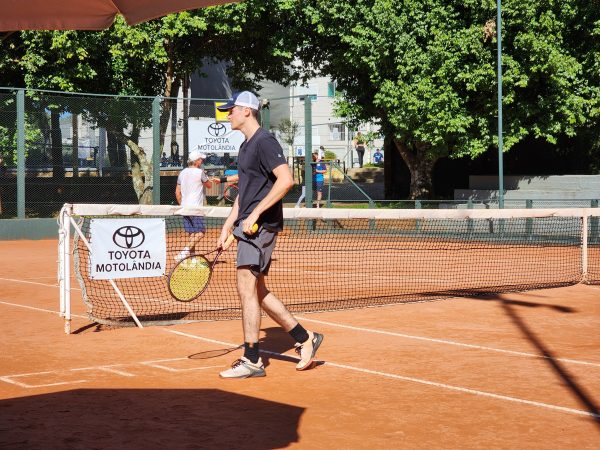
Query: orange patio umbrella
x=87, y=14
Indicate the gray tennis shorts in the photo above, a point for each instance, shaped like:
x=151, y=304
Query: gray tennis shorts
x=256, y=250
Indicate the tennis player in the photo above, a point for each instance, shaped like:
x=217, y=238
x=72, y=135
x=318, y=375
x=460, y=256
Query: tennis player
x=264, y=179
x=190, y=192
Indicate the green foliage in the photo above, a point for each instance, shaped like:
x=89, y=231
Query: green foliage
x=427, y=74
x=329, y=155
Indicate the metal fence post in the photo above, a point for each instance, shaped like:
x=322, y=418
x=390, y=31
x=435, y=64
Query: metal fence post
x=156, y=151
x=308, y=151
x=265, y=115
x=329, y=184
x=21, y=153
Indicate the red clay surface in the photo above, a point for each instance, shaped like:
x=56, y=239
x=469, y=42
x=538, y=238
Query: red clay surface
x=518, y=370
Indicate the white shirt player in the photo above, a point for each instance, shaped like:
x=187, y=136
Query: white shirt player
x=191, y=181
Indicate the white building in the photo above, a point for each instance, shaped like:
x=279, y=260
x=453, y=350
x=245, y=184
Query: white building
x=287, y=102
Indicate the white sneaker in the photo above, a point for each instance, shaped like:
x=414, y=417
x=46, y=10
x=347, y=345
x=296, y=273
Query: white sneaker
x=182, y=254
x=307, y=350
x=243, y=368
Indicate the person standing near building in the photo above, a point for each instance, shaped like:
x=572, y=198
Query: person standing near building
x=264, y=179
x=321, y=153
x=359, y=145
x=190, y=192
x=319, y=171
x=377, y=156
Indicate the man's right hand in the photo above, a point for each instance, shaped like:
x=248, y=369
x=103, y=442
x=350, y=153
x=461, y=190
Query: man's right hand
x=222, y=241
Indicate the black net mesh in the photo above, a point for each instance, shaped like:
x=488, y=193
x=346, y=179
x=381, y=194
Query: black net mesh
x=331, y=264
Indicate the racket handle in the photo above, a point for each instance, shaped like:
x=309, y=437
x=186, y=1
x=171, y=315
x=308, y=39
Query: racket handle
x=228, y=242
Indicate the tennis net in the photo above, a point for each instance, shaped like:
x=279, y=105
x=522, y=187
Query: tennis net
x=330, y=259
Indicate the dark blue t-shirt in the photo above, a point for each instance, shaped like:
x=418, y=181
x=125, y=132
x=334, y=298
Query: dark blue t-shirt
x=257, y=159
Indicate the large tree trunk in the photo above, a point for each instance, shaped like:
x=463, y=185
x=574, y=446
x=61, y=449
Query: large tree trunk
x=420, y=164
x=141, y=166
x=172, y=85
x=58, y=166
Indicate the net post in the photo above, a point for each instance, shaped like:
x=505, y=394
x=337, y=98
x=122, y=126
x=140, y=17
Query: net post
x=594, y=228
x=584, y=248
x=64, y=271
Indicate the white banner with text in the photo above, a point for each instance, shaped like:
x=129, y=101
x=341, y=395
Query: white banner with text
x=124, y=248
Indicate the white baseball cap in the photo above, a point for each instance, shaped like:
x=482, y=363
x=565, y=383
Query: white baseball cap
x=244, y=98
x=196, y=155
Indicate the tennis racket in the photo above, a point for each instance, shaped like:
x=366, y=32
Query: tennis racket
x=231, y=193
x=214, y=353
x=191, y=276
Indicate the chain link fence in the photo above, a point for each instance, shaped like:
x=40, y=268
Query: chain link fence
x=58, y=148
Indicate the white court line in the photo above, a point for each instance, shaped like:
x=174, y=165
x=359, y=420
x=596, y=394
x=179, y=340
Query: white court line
x=40, y=309
x=36, y=283
x=448, y=342
x=171, y=369
x=28, y=282
x=29, y=307
x=420, y=381
x=9, y=379
x=389, y=333
x=109, y=369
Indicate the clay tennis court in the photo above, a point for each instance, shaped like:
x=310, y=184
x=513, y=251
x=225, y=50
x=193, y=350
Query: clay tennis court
x=517, y=370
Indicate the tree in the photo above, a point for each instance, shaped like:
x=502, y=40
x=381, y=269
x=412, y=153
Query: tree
x=288, y=130
x=150, y=59
x=426, y=72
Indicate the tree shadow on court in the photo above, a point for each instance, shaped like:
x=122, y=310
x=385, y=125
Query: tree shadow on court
x=510, y=308
x=148, y=419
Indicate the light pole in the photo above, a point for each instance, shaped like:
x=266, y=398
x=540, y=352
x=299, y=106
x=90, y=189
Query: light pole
x=500, y=140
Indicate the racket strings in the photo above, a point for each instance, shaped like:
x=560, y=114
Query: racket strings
x=190, y=278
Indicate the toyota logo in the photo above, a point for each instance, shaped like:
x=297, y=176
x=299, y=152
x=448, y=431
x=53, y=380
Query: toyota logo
x=217, y=129
x=129, y=237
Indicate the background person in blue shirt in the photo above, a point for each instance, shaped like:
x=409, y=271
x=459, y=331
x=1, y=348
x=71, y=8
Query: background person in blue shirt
x=377, y=156
x=318, y=177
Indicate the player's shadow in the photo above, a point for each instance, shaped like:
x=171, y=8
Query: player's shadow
x=147, y=418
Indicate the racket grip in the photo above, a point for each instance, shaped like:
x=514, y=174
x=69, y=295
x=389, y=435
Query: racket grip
x=228, y=242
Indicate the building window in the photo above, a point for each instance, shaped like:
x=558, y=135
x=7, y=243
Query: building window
x=331, y=88
x=337, y=132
